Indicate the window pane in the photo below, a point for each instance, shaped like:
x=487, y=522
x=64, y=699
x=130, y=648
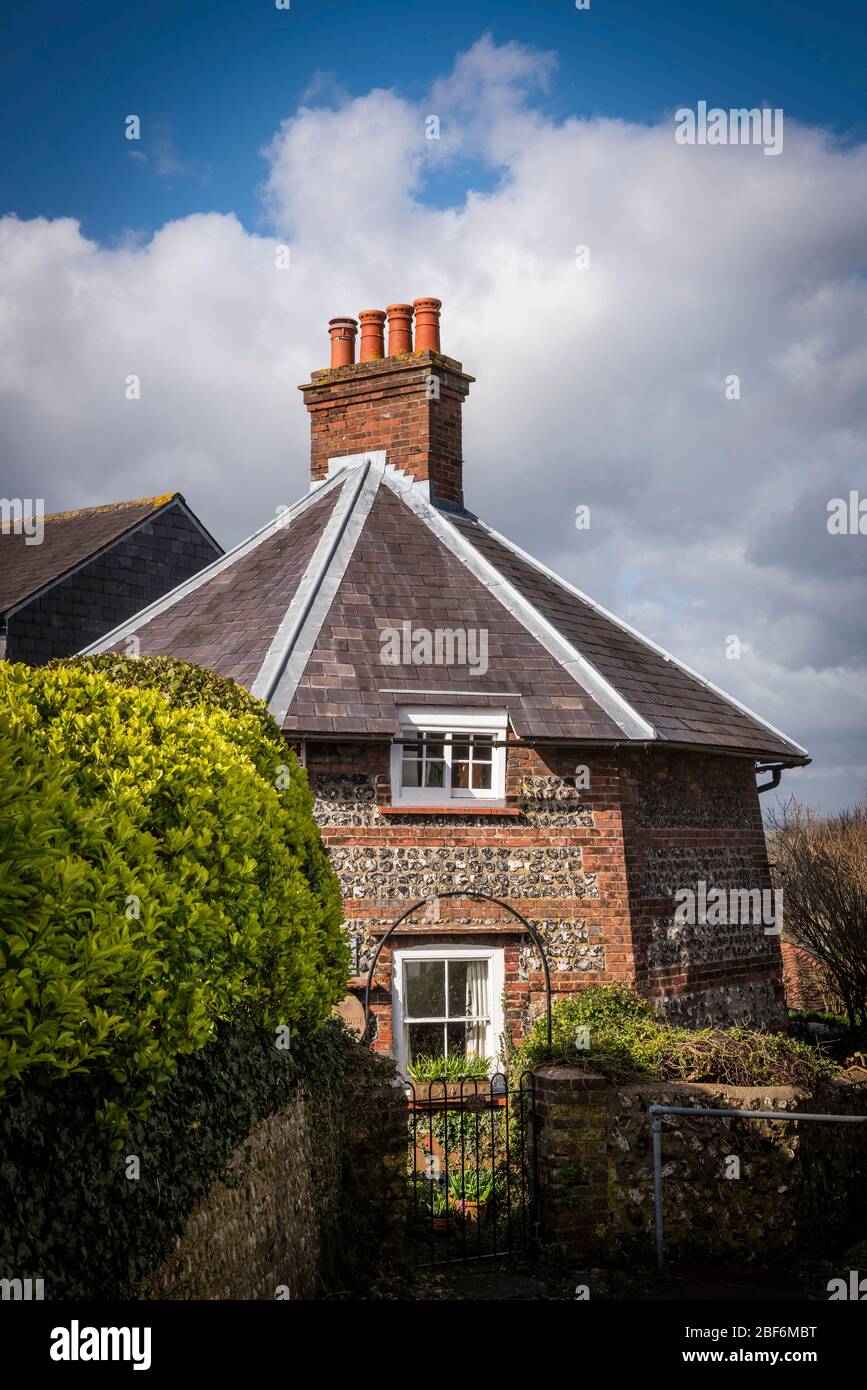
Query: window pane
x=433, y=774
x=460, y=750
x=424, y=1040
x=468, y=988
x=482, y=775
x=457, y=1039
x=424, y=988
x=434, y=747
x=483, y=750
x=411, y=774
x=460, y=774
x=467, y=1039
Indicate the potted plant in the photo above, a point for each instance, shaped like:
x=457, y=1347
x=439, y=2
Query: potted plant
x=432, y=1204
x=437, y=1081
x=470, y=1192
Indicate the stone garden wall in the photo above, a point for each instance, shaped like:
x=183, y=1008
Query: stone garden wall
x=800, y=1184
x=314, y=1196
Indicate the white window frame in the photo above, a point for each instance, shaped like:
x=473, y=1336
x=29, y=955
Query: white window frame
x=449, y=725
x=495, y=957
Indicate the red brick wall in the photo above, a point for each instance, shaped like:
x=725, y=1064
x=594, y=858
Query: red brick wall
x=385, y=405
x=689, y=817
x=590, y=869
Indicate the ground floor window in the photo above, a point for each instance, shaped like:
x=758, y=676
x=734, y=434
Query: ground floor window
x=447, y=1001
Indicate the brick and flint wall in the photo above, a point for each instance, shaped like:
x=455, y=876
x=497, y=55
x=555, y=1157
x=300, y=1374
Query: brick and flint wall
x=794, y=1183
x=593, y=870
x=688, y=819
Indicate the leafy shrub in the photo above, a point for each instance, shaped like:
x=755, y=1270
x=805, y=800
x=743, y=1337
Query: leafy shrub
x=628, y=1042
x=472, y=1184
x=154, y=878
x=427, y=1199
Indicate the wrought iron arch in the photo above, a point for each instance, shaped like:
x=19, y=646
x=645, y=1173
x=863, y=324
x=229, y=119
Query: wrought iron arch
x=478, y=897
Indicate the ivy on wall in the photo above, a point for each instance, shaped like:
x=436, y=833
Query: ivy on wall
x=71, y=1213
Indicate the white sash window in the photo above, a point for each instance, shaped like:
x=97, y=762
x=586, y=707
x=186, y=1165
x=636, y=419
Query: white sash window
x=449, y=756
x=447, y=1000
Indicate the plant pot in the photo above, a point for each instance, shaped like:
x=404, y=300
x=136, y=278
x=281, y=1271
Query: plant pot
x=442, y=1225
x=431, y=1096
x=472, y=1212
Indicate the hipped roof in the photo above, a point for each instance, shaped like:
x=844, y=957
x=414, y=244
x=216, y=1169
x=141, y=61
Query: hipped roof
x=297, y=615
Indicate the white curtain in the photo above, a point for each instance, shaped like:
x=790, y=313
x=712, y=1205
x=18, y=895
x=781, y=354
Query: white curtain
x=477, y=1003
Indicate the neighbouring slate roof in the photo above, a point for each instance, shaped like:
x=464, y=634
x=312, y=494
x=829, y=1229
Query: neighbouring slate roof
x=70, y=539
x=296, y=614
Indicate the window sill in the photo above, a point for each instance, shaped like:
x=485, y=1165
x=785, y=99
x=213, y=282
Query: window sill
x=449, y=810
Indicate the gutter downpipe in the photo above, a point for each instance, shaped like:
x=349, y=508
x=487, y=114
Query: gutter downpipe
x=776, y=771
x=656, y=1113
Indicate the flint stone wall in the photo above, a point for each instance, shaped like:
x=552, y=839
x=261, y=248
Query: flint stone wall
x=321, y=1176
x=594, y=869
x=800, y=1184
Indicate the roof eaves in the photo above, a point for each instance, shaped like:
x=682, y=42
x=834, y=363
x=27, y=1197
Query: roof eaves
x=189, y=586
x=647, y=641
x=295, y=638
x=583, y=672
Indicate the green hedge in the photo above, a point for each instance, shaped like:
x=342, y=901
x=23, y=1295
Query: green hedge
x=68, y=1212
x=628, y=1042
x=157, y=877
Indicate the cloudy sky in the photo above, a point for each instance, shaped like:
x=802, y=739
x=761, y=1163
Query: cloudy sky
x=600, y=384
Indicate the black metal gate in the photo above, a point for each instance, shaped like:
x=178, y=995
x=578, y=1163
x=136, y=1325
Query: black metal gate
x=472, y=1168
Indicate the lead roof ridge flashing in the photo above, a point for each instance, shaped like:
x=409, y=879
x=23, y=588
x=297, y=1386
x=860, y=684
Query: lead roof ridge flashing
x=640, y=636
x=189, y=586
x=296, y=637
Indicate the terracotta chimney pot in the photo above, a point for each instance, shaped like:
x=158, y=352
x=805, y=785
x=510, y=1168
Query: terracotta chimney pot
x=372, y=331
x=399, y=328
x=427, y=324
x=342, y=331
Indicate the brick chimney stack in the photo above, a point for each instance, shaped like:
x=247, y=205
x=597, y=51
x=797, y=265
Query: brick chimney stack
x=408, y=403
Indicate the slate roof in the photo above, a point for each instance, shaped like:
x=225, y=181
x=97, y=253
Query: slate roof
x=70, y=539
x=296, y=614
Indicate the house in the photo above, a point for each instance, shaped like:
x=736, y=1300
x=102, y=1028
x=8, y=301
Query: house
x=75, y=575
x=514, y=773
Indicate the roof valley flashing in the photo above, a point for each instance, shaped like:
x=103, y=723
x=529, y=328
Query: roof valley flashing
x=296, y=612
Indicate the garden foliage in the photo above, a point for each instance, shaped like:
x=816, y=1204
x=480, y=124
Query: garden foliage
x=628, y=1042
x=160, y=874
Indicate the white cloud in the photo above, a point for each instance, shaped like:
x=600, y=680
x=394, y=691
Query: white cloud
x=603, y=386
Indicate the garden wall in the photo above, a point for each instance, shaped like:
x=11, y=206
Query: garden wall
x=315, y=1192
x=253, y=1171
x=799, y=1184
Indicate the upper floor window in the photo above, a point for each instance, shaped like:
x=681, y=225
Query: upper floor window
x=449, y=756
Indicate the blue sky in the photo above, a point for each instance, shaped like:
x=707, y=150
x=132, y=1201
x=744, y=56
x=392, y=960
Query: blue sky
x=602, y=388
x=212, y=79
